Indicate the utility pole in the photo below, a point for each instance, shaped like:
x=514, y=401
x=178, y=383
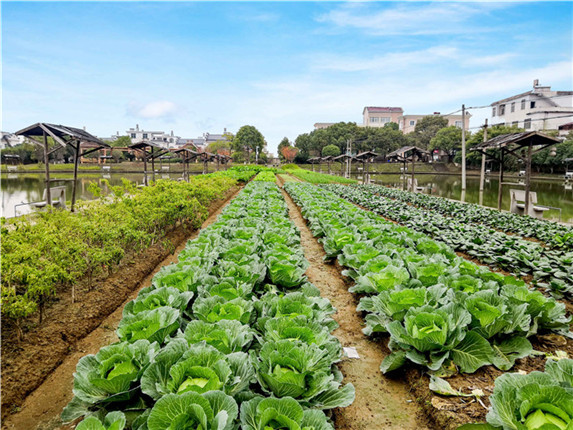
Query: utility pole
x=482, y=171
x=463, y=153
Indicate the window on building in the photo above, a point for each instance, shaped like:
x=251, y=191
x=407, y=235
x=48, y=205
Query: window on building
x=527, y=124
x=374, y=119
x=493, y=111
x=458, y=124
x=501, y=110
x=532, y=105
x=133, y=135
x=412, y=122
x=385, y=119
x=522, y=104
x=145, y=135
x=513, y=106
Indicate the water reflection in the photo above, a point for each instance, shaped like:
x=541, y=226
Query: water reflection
x=554, y=193
x=29, y=187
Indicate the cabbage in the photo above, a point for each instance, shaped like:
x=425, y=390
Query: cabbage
x=180, y=368
x=280, y=414
x=209, y=411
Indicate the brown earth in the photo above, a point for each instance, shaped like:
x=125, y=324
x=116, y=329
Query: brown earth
x=46, y=359
x=381, y=402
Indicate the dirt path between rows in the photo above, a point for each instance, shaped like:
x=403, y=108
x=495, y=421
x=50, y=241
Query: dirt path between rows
x=41, y=409
x=381, y=402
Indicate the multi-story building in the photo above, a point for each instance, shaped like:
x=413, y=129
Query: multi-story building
x=374, y=116
x=536, y=109
x=407, y=123
x=159, y=137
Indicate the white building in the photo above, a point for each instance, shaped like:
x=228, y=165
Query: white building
x=538, y=109
x=407, y=123
x=160, y=137
x=10, y=139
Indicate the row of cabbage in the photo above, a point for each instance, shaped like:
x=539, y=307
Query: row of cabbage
x=551, y=268
x=232, y=336
x=553, y=234
x=441, y=311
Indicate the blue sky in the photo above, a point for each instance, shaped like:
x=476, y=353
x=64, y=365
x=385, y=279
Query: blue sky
x=196, y=67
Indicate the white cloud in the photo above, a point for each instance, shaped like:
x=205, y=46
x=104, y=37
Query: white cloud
x=409, y=19
x=158, y=109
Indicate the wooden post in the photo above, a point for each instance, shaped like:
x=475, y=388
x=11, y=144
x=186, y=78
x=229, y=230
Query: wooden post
x=144, y=166
x=329, y=167
x=413, y=169
x=76, y=160
x=47, y=161
x=500, y=186
x=404, y=181
x=528, y=177
x=341, y=168
x=482, y=171
x=367, y=171
x=153, y=164
x=313, y=166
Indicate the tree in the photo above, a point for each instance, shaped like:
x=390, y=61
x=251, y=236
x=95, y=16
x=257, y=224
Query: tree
x=448, y=139
x=392, y=125
x=220, y=145
x=426, y=128
x=282, y=144
x=331, y=150
x=289, y=153
x=123, y=141
x=248, y=139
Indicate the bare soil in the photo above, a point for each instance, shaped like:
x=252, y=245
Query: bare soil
x=37, y=374
x=381, y=402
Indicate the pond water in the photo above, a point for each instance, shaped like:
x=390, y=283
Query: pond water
x=29, y=187
x=550, y=192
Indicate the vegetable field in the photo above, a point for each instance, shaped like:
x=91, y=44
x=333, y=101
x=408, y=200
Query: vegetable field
x=450, y=316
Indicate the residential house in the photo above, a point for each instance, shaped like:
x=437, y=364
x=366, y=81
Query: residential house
x=407, y=123
x=159, y=137
x=374, y=116
x=535, y=110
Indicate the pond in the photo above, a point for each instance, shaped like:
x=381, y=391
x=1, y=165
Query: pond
x=550, y=192
x=29, y=187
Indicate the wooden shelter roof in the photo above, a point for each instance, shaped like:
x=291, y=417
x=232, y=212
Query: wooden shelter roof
x=516, y=139
x=404, y=149
x=367, y=154
x=147, y=143
x=63, y=132
x=343, y=157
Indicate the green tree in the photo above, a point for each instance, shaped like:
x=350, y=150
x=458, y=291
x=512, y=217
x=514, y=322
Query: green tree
x=330, y=150
x=448, y=139
x=121, y=141
x=248, y=139
x=219, y=145
x=426, y=128
x=303, y=143
x=392, y=125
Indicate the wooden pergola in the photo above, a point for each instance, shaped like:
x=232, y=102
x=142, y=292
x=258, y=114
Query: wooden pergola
x=345, y=158
x=64, y=136
x=366, y=158
x=520, y=145
x=328, y=160
x=313, y=161
x=150, y=150
x=408, y=154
